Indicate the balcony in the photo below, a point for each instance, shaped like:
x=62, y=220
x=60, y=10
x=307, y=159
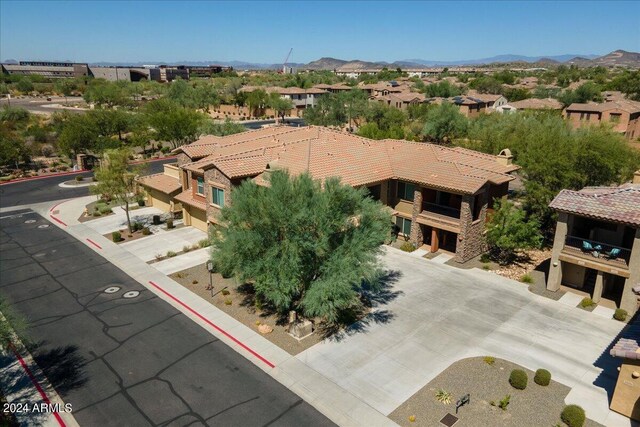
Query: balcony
x=597, y=255
x=440, y=216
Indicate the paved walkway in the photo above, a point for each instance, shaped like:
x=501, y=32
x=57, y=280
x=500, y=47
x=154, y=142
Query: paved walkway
x=336, y=403
x=437, y=314
x=118, y=220
x=182, y=262
x=146, y=248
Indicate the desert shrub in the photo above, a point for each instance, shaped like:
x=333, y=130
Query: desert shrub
x=159, y=256
x=79, y=178
x=165, y=150
x=486, y=267
x=443, y=396
x=194, y=282
x=485, y=258
x=116, y=236
x=169, y=224
x=518, y=379
x=489, y=360
x=407, y=247
x=573, y=416
x=620, y=314
x=586, y=302
x=171, y=254
x=195, y=246
x=225, y=292
x=146, y=231
x=228, y=302
x=63, y=168
x=137, y=226
x=186, y=248
x=504, y=402
x=104, y=209
x=204, y=243
x=526, y=278
x=97, y=213
x=542, y=377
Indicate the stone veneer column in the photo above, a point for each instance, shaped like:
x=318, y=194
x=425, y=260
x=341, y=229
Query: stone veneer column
x=628, y=301
x=597, y=288
x=471, y=241
x=416, y=237
x=555, y=266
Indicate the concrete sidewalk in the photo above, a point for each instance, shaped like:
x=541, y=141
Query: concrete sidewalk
x=337, y=404
x=182, y=262
x=147, y=248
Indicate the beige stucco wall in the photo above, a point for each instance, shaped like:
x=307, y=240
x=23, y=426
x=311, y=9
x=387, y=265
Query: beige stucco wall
x=627, y=392
x=172, y=170
x=158, y=200
x=573, y=274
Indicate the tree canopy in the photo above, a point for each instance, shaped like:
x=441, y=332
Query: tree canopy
x=304, y=246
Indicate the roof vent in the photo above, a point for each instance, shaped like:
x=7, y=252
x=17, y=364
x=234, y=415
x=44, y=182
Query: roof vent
x=505, y=157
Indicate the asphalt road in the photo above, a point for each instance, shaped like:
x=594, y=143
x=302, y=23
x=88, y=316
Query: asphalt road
x=134, y=361
x=47, y=189
x=42, y=106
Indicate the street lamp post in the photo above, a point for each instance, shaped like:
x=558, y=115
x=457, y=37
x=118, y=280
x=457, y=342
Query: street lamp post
x=210, y=270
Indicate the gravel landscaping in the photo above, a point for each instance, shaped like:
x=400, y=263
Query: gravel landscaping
x=241, y=307
x=534, y=406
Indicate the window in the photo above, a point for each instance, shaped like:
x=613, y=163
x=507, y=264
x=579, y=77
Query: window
x=477, y=207
x=200, y=185
x=404, y=225
x=615, y=118
x=406, y=190
x=217, y=196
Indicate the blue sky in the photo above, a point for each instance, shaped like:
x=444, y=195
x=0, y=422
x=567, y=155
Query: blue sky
x=174, y=31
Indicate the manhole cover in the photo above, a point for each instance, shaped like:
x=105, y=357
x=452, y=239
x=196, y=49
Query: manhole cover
x=112, y=290
x=131, y=294
x=43, y=226
x=449, y=420
x=30, y=221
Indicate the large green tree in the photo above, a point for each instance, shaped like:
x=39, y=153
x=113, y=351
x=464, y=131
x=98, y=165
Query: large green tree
x=304, y=246
x=116, y=180
x=173, y=123
x=509, y=232
x=444, y=122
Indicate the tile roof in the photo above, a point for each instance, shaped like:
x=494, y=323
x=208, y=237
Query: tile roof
x=187, y=198
x=537, y=104
x=356, y=160
x=161, y=182
x=615, y=204
x=624, y=105
x=626, y=348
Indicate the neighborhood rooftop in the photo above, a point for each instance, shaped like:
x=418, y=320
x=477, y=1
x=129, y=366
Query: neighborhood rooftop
x=356, y=160
x=616, y=204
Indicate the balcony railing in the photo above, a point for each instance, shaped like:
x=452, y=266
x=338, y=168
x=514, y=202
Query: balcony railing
x=600, y=250
x=441, y=210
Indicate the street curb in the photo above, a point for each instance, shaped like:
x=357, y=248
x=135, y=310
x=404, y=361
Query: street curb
x=35, y=178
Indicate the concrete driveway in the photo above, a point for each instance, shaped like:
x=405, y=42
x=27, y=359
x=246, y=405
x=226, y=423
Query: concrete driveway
x=436, y=314
x=148, y=247
x=118, y=220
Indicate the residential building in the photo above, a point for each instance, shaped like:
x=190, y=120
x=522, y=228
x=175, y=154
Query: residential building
x=530, y=104
x=597, y=243
x=468, y=106
x=402, y=100
x=300, y=98
x=334, y=88
x=438, y=196
x=624, y=116
x=493, y=101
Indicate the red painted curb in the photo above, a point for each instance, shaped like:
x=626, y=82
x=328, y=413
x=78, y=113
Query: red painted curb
x=208, y=322
x=58, y=220
x=35, y=383
x=53, y=175
x=94, y=244
x=56, y=205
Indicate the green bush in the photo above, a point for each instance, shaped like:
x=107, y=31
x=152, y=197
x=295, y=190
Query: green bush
x=227, y=302
x=104, y=209
x=518, y=379
x=169, y=224
x=225, y=292
x=504, y=402
x=146, y=231
x=171, y=254
x=486, y=267
x=542, y=377
x=573, y=416
x=97, y=213
x=407, y=247
x=620, y=314
x=586, y=302
x=116, y=236
x=489, y=360
x=204, y=243
x=485, y=258
x=136, y=226
x=526, y=278
x=79, y=178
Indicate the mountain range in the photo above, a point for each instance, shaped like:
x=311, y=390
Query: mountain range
x=616, y=58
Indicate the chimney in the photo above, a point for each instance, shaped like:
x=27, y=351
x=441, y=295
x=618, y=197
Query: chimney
x=636, y=177
x=505, y=157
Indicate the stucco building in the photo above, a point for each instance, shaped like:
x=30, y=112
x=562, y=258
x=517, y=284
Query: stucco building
x=624, y=116
x=438, y=196
x=596, y=248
